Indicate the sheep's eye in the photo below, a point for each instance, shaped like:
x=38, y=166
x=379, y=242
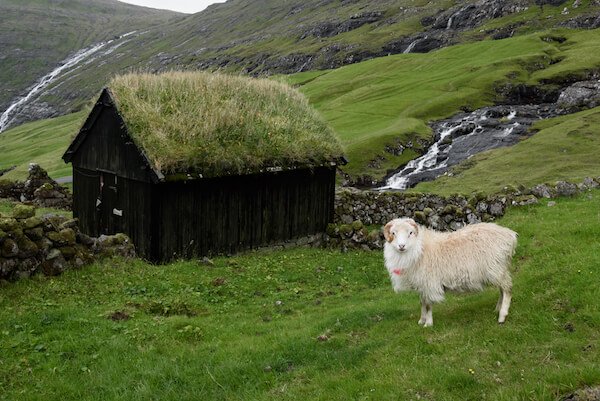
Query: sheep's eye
x=410, y=233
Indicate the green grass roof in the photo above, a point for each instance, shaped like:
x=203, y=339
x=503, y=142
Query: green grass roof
x=217, y=124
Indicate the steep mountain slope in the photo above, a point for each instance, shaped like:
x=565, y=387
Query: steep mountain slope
x=379, y=107
x=36, y=35
x=273, y=36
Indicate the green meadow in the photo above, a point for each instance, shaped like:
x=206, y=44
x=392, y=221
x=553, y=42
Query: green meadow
x=309, y=324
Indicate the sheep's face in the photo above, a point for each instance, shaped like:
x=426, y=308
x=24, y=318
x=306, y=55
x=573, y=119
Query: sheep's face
x=401, y=233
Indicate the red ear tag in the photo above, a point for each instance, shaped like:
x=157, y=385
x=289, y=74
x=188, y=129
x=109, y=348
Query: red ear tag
x=398, y=271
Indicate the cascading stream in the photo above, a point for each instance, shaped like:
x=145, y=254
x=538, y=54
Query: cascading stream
x=466, y=134
x=66, y=66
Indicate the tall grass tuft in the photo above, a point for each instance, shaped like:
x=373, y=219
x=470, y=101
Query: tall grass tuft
x=221, y=124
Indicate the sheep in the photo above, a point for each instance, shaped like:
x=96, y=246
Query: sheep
x=432, y=262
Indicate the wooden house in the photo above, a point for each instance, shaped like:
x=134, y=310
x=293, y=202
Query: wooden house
x=195, y=164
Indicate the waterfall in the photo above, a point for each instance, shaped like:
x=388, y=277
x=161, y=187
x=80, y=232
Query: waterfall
x=411, y=46
x=401, y=179
x=65, y=66
x=472, y=133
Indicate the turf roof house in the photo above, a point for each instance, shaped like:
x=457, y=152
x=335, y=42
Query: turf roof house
x=191, y=164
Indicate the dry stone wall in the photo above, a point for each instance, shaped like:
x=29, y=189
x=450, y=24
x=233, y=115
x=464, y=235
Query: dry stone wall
x=354, y=210
x=50, y=244
x=39, y=190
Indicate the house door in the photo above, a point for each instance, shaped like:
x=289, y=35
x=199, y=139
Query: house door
x=108, y=205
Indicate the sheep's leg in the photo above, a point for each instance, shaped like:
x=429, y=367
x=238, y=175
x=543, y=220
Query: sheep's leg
x=506, y=298
x=423, y=318
x=499, y=303
x=426, y=315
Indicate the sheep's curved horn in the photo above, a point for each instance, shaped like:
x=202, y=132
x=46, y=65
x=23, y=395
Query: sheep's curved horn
x=387, y=233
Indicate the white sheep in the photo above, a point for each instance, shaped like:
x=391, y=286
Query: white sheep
x=432, y=262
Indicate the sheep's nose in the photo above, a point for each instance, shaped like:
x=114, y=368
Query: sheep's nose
x=401, y=247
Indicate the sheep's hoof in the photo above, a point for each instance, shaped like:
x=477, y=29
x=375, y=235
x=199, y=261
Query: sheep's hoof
x=421, y=322
x=428, y=324
x=501, y=321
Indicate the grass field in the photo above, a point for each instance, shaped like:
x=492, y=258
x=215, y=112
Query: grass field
x=247, y=328
x=42, y=142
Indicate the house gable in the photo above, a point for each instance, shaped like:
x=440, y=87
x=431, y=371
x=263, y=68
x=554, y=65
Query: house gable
x=103, y=144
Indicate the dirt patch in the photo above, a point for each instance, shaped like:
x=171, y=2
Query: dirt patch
x=119, y=316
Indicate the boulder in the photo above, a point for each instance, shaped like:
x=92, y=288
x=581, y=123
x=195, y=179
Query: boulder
x=564, y=188
x=584, y=94
x=21, y=212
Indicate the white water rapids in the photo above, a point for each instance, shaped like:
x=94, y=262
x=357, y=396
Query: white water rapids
x=470, y=127
x=66, y=66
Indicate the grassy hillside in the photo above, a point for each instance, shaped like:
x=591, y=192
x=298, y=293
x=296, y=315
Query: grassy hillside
x=249, y=326
x=42, y=142
x=271, y=36
x=380, y=101
x=390, y=99
x=37, y=34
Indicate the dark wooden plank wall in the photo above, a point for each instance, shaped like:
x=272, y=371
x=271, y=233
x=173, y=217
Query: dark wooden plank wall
x=86, y=188
x=228, y=214
x=133, y=198
x=108, y=147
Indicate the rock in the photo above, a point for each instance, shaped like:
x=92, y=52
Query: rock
x=68, y=252
x=8, y=224
x=21, y=212
x=497, y=209
x=543, y=191
x=66, y=236
x=27, y=248
x=590, y=183
x=84, y=239
x=53, y=254
x=54, y=265
x=34, y=234
x=357, y=225
x=584, y=394
x=551, y=203
x=525, y=200
x=564, y=188
x=581, y=94
x=32, y=222
x=9, y=248
x=345, y=230
x=71, y=223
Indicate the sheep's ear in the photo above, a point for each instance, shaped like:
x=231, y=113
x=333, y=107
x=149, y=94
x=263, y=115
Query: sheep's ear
x=414, y=225
x=387, y=233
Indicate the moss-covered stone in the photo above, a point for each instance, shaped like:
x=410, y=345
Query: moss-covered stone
x=374, y=235
x=9, y=248
x=9, y=224
x=22, y=212
x=346, y=230
x=332, y=230
x=32, y=222
x=2, y=235
x=34, y=234
x=27, y=247
x=420, y=217
x=68, y=252
x=357, y=225
x=428, y=211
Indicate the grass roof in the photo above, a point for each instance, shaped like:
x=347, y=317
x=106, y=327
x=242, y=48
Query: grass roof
x=217, y=124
